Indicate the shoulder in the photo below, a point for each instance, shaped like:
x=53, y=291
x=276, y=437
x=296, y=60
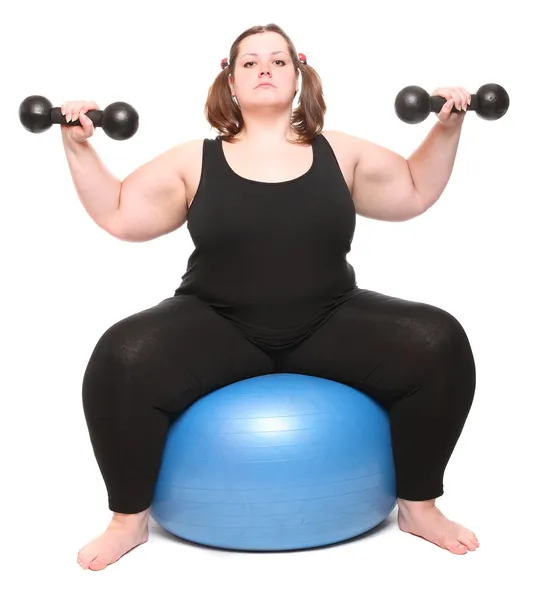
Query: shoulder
x=187, y=155
x=183, y=150
x=346, y=147
x=189, y=147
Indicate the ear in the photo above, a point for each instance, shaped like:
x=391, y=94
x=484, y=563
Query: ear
x=230, y=83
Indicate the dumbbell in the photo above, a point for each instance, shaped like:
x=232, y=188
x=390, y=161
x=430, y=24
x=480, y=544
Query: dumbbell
x=119, y=120
x=413, y=104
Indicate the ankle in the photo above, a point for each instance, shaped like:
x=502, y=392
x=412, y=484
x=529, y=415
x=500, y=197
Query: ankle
x=139, y=519
x=415, y=505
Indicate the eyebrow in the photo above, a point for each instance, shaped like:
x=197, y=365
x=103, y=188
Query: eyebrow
x=254, y=54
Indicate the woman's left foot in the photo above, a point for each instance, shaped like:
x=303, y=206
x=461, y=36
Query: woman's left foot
x=424, y=519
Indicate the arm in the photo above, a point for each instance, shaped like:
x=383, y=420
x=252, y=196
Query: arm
x=98, y=189
x=389, y=187
x=150, y=202
x=153, y=198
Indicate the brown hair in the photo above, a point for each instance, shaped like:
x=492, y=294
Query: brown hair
x=225, y=116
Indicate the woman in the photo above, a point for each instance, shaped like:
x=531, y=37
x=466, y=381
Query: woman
x=271, y=207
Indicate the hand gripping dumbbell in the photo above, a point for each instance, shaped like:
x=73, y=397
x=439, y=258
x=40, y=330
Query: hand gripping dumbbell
x=413, y=104
x=119, y=120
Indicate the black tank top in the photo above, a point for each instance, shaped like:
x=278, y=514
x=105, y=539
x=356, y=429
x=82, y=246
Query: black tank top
x=271, y=257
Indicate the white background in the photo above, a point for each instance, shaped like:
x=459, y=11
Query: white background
x=64, y=281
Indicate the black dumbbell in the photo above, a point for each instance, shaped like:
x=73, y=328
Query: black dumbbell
x=119, y=120
x=413, y=104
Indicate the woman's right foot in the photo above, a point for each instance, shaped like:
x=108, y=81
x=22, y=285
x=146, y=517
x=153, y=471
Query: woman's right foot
x=124, y=533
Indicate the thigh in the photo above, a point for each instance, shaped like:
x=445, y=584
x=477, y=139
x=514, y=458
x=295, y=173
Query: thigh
x=175, y=352
x=383, y=345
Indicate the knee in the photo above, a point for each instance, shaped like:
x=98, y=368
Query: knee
x=442, y=340
x=125, y=346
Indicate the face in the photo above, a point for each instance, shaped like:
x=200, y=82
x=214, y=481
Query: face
x=264, y=72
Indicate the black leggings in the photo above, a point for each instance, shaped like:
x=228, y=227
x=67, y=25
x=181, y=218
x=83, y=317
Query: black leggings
x=412, y=358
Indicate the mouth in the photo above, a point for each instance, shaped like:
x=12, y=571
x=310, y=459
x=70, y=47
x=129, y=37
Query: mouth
x=265, y=85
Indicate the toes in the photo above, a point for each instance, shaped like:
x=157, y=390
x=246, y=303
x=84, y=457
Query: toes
x=457, y=548
x=469, y=543
x=94, y=564
x=85, y=558
x=469, y=539
x=98, y=565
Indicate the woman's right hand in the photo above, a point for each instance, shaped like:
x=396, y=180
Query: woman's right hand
x=76, y=110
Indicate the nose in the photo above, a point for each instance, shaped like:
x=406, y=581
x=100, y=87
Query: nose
x=265, y=71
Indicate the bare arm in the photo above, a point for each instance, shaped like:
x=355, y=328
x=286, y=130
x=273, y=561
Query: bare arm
x=383, y=187
x=149, y=203
x=153, y=198
x=389, y=187
x=98, y=189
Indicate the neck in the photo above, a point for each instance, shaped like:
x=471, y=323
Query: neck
x=262, y=130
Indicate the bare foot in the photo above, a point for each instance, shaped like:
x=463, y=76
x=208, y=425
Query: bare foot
x=424, y=519
x=124, y=533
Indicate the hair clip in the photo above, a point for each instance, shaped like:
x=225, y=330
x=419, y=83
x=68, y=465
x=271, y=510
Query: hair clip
x=224, y=63
x=302, y=58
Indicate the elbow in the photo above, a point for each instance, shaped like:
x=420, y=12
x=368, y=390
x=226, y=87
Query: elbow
x=421, y=203
x=410, y=205
x=414, y=201
x=418, y=202
x=407, y=208
x=114, y=224
x=112, y=228
x=418, y=206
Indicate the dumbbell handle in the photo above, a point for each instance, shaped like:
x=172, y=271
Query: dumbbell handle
x=437, y=102
x=57, y=118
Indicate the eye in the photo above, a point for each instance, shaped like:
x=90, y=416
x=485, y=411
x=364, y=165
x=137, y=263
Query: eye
x=279, y=60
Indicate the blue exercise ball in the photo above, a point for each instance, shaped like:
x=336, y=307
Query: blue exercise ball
x=277, y=462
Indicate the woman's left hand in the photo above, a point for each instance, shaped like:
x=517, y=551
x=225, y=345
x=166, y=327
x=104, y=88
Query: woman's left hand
x=457, y=97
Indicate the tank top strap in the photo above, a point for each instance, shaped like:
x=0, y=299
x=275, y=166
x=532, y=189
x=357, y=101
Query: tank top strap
x=213, y=159
x=324, y=151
